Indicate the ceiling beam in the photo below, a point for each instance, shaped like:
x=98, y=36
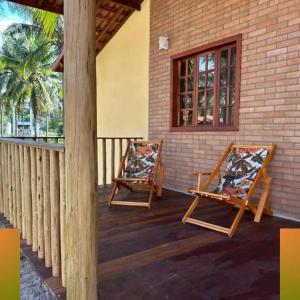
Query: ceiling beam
x=42, y=4
x=129, y=3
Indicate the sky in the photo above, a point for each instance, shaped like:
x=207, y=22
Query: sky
x=7, y=17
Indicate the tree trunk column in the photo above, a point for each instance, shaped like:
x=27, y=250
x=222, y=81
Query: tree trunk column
x=80, y=145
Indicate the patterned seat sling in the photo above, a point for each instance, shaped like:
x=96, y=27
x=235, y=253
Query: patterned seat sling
x=142, y=159
x=241, y=171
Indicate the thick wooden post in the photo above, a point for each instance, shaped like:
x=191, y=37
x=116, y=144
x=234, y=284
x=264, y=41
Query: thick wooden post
x=80, y=146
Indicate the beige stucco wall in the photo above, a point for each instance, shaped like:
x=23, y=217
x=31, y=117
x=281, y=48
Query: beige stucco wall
x=123, y=79
x=123, y=85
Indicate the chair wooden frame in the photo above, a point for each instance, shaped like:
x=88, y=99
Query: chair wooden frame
x=153, y=185
x=242, y=205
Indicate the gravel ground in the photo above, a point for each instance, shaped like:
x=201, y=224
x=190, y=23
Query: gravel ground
x=32, y=286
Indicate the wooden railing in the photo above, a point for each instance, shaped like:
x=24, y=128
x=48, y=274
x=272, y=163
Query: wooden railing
x=46, y=139
x=111, y=149
x=32, y=197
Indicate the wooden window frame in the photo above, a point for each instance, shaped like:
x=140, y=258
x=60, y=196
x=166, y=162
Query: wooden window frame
x=237, y=40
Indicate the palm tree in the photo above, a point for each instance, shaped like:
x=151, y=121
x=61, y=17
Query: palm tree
x=26, y=58
x=52, y=24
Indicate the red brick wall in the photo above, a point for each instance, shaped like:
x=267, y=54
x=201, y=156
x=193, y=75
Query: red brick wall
x=270, y=87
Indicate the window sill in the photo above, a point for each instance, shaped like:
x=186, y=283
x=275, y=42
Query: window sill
x=203, y=128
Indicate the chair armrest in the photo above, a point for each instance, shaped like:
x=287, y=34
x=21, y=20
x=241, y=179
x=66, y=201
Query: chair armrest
x=202, y=173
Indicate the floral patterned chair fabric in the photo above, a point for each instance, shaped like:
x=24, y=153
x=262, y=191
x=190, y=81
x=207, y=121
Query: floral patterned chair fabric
x=243, y=166
x=141, y=160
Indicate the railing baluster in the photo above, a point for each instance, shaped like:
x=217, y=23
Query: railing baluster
x=34, y=199
x=112, y=158
x=6, y=182
x=18, y=187
x=104, y=161
x=62, y=218
x=47, y=207
x=120, y=148
x=13, y=185
x=27, y=195
x=21, y=154
x=40, y=204
x=54, y=201
x=10, y=196
x=1, y=179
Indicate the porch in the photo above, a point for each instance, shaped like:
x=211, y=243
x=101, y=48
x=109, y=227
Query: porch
x=150, y=254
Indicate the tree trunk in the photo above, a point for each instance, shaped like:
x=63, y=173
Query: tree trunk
x=35, y=123
x=47, y=123
x=13, y=123
x=16, y=122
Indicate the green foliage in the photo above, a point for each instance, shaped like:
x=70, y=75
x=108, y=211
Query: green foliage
x=26, y=57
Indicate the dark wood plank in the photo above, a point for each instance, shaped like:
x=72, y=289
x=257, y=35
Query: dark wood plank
x=150, y=254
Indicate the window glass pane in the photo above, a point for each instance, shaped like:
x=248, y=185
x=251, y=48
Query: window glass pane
x=231, y=115
x=201, y=83
x=209, y=116
x=190, y=83
x=182, y=85
x=223, y=97
x=181, y=118
x=224, y=57
x=210, y=79
x=182, y=68
x=222, y=115
x=200, y=117
x=186, y=101
x=232, y=76
x=210, y=97
x=189, y=101
x=223, y=79
x=231, y=96
x=182, y=101
x=233, y=56
x=190, y=117
x=191, y=67
x=202, y=63
x=211, y=61
x=201, y=99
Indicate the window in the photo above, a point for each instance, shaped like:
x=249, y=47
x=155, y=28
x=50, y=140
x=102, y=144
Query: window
x=205, y=88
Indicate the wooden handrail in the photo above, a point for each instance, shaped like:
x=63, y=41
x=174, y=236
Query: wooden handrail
x=33, y=144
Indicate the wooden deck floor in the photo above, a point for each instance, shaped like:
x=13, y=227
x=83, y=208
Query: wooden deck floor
x=149, y=254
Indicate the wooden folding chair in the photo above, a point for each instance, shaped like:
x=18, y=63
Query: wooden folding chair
x=247, y=166
x=141, y=169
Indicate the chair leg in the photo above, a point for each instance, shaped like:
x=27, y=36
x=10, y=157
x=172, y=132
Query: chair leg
x=113, y=193
x=150, y=197
x=267, y=209
x=236, y=221
x=161, y=178
x=191, y=208
x=264, y=203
